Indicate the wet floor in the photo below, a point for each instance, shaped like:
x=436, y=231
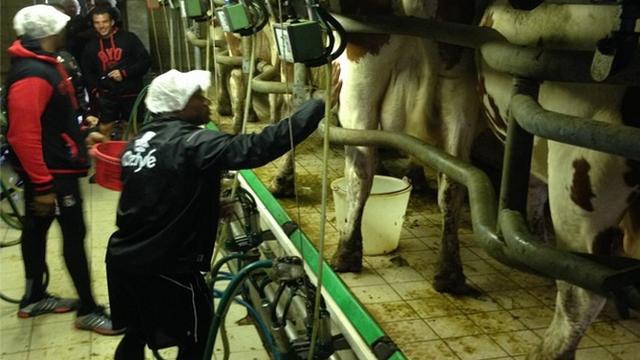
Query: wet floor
x=506, y=322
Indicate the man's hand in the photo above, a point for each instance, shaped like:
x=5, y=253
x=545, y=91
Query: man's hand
x=91, y=120
x=94, y=138
x=115, y=75
x=44, y=205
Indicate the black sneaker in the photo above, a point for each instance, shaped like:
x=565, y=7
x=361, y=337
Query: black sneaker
x=48, y=304
x=98, y=321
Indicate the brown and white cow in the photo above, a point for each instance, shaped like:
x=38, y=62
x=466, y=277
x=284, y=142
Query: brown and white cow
x=233, y=82
x=402, y=83
x=593, y=196
x=430, y=91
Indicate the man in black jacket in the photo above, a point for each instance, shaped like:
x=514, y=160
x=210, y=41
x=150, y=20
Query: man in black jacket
x=114, y=65
x=168, y=213
x=49, y=151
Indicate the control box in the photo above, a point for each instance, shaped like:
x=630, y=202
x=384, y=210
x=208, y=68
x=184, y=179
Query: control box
x=233, y=17
x=299, y=41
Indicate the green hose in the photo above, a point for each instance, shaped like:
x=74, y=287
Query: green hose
x=226, y=300
x=132, y=127
x=220, y=263
x=13, y=218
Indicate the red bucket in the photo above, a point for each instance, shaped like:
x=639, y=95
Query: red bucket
x=108, y=168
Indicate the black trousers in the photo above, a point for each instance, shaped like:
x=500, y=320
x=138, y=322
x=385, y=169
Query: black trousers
x=116, y=108
x=34, y=242
x=160, y=310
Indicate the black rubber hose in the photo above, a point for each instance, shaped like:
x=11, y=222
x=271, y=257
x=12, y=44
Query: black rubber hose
x=45, y=284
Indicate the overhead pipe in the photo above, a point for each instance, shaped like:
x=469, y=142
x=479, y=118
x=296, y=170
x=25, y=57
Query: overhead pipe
x=522, y=61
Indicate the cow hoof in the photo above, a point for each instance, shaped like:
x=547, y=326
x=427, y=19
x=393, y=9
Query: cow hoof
x=282, y=187
x=280, y=191
x=536, y=354
x=347, y=261
x=341, y=266
x=455, y=287
x=543, y=353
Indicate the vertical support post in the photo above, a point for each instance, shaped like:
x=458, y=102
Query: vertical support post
x=245, y=44
x=300, y=90
x=517, y=155
x=197, y=55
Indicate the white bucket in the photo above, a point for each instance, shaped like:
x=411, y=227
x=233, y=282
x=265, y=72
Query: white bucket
x=383, y=212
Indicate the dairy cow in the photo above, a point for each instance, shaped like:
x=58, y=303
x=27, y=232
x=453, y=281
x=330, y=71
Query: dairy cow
x=434, y=92
x=593, y=196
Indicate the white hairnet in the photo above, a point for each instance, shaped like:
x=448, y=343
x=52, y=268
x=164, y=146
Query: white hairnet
x=172, y=90
x=39, y=21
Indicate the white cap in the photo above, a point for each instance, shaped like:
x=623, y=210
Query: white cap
x=172, y=90
x=39, y=21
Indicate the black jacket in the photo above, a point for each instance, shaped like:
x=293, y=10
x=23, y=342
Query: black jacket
x=121, y=51
x=43, y=134
x=168, y=211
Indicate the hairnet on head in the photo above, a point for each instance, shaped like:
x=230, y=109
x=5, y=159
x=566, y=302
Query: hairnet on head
x=39, y=21
x=172, y=90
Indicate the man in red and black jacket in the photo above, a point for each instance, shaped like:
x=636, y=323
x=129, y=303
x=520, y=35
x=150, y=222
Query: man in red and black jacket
x=48, y=149
x=114, y=64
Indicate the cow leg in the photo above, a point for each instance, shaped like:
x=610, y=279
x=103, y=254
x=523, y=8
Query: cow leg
x=359, y=163
x=538, y=216
x=223, y=100
x=576, y=308
x=236, y=91
x=458, y=109
x=275, y=108
x=365, y=77
x=418, y=178
x=589, y=194
x=282, y=184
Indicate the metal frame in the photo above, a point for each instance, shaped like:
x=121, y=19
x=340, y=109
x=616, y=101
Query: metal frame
x=519, y=248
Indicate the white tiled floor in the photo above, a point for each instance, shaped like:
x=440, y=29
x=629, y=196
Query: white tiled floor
x=53, y=336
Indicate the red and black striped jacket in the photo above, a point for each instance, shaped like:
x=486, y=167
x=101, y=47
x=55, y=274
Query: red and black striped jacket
x=44, y=136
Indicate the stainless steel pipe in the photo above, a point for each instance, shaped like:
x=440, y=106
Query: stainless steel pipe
x=614, y=139
x=223, y=59
x=482, y=197
x=522, y=249
x=263, y=84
